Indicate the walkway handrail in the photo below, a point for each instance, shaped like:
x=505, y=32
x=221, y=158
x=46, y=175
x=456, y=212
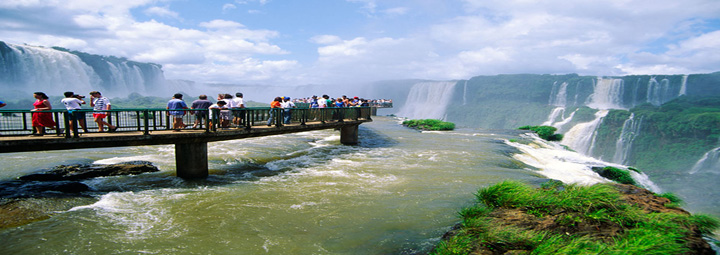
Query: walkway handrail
x=147, y=120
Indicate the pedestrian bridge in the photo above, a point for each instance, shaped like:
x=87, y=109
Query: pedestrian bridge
x=137, y=127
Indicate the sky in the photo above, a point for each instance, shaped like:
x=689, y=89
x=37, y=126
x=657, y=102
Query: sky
x=293, y=42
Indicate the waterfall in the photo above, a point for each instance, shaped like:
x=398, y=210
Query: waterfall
x=630, y=130
x=428, y=100
x=683, y=86
x=607, y=94
x=581, y=137
x=47, y=70
x=558, y=95
x=25, y=69
x=660, y=92
x=557, y=112
x=710, y=162
x=465, y=93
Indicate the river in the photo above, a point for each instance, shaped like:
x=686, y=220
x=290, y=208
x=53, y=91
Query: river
x=397, y=192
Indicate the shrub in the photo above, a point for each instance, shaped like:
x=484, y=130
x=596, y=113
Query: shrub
x=545, y=132
x=429, y=124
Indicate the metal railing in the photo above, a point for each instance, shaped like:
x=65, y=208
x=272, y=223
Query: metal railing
x=19, y=122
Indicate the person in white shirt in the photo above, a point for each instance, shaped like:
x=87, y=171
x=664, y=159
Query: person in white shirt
x=101, y=103
x=72, y=103
x=287, y=106
x=238, y=113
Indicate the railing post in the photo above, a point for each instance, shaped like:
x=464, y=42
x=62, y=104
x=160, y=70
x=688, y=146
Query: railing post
x=216, y=117
x=146, y=116
x=304, y=116
x=207, y=120
x=137, y=113
x=66, y=118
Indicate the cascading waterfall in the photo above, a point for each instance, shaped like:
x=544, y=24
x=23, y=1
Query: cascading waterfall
x=556, y=113
x=465, y=93
x=630, y=130
x=683, y=86
x=608, y=94
x=581, y=137
x=428, y=100
x=46, y=70
x=26, y=69
x=661, y=92
x=709, y=163
x=558, y=95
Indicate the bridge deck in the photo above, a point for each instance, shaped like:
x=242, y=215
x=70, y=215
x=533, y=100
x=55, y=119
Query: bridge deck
x=52, y=141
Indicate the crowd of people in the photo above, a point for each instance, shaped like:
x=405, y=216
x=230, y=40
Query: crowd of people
x=42, y=118
x=316, y=102
x=227, y=104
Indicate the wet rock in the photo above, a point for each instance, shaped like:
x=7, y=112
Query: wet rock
x=80, y=172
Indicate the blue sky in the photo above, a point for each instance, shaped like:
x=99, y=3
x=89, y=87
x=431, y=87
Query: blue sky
x=292, y=42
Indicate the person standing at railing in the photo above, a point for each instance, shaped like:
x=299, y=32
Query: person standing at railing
x=41, y=120
x=287, y=106
x=72, y=103
x=176, y=103
x=223, y=117
x=101, y=103
x=322, y=102
x=237, y=112
x=200, y=116
x=274, y=104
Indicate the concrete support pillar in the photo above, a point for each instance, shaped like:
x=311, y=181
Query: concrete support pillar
x=191, y=160
x=349, y=134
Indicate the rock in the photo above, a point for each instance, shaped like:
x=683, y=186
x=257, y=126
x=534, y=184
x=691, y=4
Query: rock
x=80, y=172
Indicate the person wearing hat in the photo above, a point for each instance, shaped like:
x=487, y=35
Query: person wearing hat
x=287, y=106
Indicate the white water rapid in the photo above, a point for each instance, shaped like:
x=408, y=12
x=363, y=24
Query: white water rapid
x=428, y=100
x=555, y=162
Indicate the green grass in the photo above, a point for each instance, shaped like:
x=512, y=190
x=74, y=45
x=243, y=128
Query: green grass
x=429, y=124
x=569, y=209
x=545, y=132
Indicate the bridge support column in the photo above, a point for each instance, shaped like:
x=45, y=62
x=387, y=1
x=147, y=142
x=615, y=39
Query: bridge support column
x=191, y=160
x=349, y=135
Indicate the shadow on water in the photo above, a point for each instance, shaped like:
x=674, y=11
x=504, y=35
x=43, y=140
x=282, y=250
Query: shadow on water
x=23, y=202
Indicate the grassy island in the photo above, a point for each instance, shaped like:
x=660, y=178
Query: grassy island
x=545, y=132
x=515, y=218
x=429, y=124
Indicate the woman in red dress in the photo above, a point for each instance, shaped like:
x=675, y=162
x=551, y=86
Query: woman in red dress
x=40, y=120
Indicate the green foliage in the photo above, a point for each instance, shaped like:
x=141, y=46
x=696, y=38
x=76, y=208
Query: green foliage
x=429, y=124
x=641, y=233
x=672, y=197
x=545, y=132
x=616, y=174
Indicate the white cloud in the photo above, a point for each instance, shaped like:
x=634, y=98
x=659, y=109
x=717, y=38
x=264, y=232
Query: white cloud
x=161, y=12
x=227, y=7
x=326, y=39
x=221, y=24
x=433, y=40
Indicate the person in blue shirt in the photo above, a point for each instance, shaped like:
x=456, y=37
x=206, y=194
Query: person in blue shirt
x=2, y=104
x=176, y=103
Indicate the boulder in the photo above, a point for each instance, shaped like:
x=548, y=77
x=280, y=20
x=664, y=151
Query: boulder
x=80, y=171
